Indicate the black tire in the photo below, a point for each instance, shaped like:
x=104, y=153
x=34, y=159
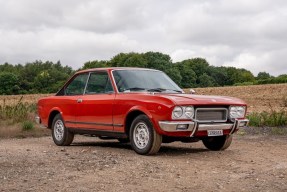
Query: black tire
x=144, y=127
x=123, y=140
x=61, y=135
x=217, y=143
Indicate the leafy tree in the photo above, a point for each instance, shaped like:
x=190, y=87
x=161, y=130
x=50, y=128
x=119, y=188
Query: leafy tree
x=191, y=68
x=198, y=65
x=119, y=59
x=206, y=81
x=95, y=64
x=233, y=75
x=135, y=60
x=245, y=76
x=174, y=73
x=188, y=75
x=128, y=60
x=37, y=77
x=263, y=75
x=219, y=75
x=156, y=60
x=9, y=83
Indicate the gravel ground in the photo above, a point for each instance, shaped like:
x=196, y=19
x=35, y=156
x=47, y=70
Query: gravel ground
x=252, y=163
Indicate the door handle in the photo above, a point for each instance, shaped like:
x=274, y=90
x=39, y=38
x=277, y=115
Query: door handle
x=79, y=100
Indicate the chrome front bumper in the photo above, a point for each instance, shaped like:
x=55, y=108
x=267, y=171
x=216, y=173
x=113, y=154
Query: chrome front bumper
x=193, y=126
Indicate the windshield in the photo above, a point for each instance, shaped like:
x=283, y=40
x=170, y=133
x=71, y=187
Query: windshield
x=144, y=80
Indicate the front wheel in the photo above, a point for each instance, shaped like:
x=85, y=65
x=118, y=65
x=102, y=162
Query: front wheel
x=61, y=135
x=144, y=139
x=217, y=143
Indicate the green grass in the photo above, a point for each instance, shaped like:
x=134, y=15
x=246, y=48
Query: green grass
x=27, y=126
x=271, y=119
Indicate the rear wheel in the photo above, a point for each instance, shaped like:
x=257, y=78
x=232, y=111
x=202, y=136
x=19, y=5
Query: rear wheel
x=217, y=143
x=61, y=135
x=144, y=139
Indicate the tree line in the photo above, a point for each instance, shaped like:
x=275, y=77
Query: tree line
x=35, y=77
x=48, y=77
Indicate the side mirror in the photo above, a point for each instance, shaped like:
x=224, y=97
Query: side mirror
x=191, y=91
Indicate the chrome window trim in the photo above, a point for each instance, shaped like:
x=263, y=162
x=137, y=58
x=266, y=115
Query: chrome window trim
x=105, y=71
x=72, y=79
x=208, y=109
x=87, y=83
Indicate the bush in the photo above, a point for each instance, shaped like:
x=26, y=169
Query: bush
x=27, y=126
x=271, y=119
x=245, y=83
x=17, y=112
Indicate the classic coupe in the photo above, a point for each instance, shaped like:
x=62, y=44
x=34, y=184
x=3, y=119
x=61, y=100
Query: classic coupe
x=141, y=106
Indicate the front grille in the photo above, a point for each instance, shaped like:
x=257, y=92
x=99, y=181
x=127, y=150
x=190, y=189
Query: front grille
x=211, y=114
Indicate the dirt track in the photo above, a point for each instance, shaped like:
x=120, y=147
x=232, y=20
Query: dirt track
x=252, y=163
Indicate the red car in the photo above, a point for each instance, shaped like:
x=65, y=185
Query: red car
x=141, y=106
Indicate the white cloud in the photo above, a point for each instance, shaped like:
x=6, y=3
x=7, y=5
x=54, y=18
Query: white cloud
x=258, y=62
x=182, y=54
x=72, y=47
x=240, y=33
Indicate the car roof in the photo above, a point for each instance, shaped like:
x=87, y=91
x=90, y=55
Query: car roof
x=115, y=68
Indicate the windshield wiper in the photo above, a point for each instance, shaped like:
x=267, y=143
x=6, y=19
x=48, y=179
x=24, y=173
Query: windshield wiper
x=162, y=90
x=156, y=90
x=134, y=89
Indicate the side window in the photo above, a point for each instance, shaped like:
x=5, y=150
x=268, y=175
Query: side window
x=77, y=85
x=99, y=82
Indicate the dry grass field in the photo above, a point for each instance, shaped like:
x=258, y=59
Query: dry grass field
x=14, y=99
x=17, y=113
x=259, y=98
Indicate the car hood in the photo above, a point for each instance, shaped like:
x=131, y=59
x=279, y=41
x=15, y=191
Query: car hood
x=187, y=99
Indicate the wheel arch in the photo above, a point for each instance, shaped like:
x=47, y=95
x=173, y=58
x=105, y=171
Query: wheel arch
x=132, y=114
x=52, y=115
x=130, y=117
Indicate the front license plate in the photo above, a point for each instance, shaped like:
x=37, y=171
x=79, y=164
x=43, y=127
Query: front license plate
x=215, y=132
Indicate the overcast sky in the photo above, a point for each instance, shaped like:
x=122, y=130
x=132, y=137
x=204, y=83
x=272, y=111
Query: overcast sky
x=249, y=34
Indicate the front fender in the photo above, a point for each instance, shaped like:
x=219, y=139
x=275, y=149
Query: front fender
x=151, y=113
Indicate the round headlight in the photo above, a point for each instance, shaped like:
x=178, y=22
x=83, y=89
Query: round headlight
x=237, y=112
x=177, y=112
x=189, y=111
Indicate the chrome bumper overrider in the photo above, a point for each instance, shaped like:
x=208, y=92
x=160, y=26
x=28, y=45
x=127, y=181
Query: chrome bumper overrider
x=193, y=126
x=38, y=119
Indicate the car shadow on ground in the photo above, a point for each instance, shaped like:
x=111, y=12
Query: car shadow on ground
x=107, y=144
x=164, y=150
x=174, y=150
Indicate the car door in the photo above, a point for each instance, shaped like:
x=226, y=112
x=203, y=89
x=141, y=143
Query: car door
x=95, y=107
x=69, y=98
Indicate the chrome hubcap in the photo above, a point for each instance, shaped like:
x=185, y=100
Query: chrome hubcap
x=59, y=130
x=141, y=135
